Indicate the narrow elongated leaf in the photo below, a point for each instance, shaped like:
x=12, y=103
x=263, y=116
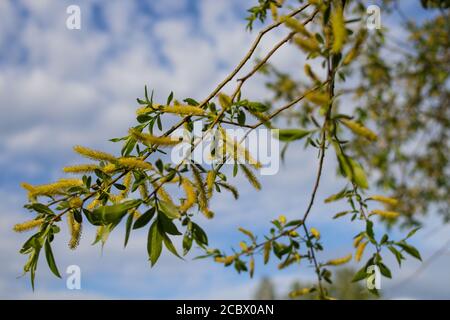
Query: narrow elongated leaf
x=360, y=275
x=169, y=209
x=51, y=259
x=385, y=270
x=410, y=250
x=128, y=226
x=187, y=243
x=199, y=235
x=167, y=226
x=288, y=135
x=169, y=245
x=154, y=243
x=144, y=219
x=111, y=214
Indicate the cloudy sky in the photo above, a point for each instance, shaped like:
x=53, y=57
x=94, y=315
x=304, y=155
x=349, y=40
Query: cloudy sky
x=61, y=87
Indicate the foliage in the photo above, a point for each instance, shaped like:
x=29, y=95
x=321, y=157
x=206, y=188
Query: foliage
x=134, y=186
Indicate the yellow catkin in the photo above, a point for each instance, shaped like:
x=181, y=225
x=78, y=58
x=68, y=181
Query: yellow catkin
x=208, y=213
x=310, y=73
x=28, y=225
x=76, y=202
x=350, y=56
x=360, y=130
x=191, y=196
x=94, y=154
x=127, y=181
x=282, y=219
x=210, y=179
x=296, y=26
x=136, y=214
x=385, y=214
x=339, y=31
x=81, y=168
x=298, y=293
x=243, y=246
x=94, y=204
x=307, y=44
x=109, y=168
x=147, y=109
x=238, y=151
x=319, y=98
x=55, y=188
x=135, y=163
x=27, y=186
x=143, y=190
x=184, y=110
x=162, y=193
x=340, y=261
x=357, y=240
x=274, y=11
x=360, y=251
x=149, y=139
x=115, y=198
x=354, y=52
x=200, y=186
x=387, y=200
x=251, y=177
x=224, y=100
x=315, y=233
x=226, y=260
x=231, y=188
x=293, y=233
x=75, y=231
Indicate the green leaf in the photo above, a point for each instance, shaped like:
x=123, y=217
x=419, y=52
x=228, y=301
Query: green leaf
x=359, y=176
x=128, y=226
x=360, y=275
x=294, y=223
x=191, y=102
x=51, y=259
x=241, y=117
x=110, y=214
x=169, y=245
x=288, y=135
x=335, y=197
x=412, y=232
x=167, y=226
x=120, y=186
x=369, y=230
x=39, y=207
x=257, y=106
x=187, y=243
x=199, y=235
x=267, y=249
x=385, y=270
x=144, y=218
x=341, y=214
x=397, y=254
x=169, y=98
x=154, y=243
x=169, y=209
x=410, y=250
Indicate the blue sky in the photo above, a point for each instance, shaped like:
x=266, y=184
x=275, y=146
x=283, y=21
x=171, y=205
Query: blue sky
x=61, y=87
